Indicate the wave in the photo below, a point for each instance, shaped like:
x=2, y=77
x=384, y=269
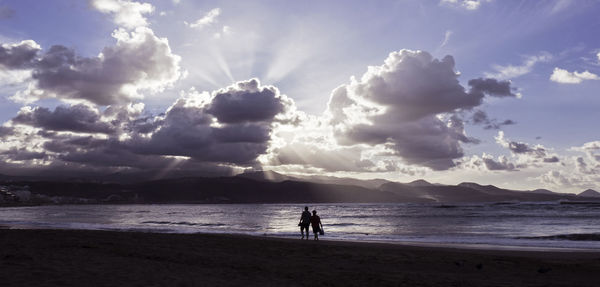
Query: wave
x=343, y=224
x=585, y=203
x=182, y=223
x=572, y=237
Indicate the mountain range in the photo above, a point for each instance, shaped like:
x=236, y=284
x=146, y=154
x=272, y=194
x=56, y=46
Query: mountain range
x=272, y=187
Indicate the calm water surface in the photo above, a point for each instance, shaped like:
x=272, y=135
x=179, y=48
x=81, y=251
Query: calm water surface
x=492, y=224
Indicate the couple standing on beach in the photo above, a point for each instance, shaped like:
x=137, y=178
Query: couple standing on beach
x=314, y=220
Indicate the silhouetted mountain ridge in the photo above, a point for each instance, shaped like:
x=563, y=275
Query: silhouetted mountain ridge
x=272, y=187
x=589, y=193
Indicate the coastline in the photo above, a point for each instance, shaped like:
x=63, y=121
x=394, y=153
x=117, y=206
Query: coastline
x=77, y=257
x=442, y=245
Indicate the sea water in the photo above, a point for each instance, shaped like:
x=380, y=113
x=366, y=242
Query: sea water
x=546, y=225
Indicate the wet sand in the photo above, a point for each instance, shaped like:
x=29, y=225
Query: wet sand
x=101, y=258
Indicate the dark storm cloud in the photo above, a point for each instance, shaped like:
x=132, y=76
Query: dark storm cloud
x=139, y=60
x=413, y=85
x=77, y=118
x=501, y=164
x=202, y=141
x=244, y=112
x=246, y=102
x=518, y=147
x=18, y=56
x=523, y=148
x=399, y=103
x=491, y=87
x=6, y=131
x=23, y=154
x=480, y=117
x=144, y=125
x=529, y=155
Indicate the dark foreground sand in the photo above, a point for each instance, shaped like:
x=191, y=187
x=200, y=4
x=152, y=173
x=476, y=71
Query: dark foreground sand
x=97, y=258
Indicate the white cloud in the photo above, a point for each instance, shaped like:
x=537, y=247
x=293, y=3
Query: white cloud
x=470, y=5
x=565, y=77
x=226, y=30
x=126, y=13
x=598, y=56
x=406, y=104
x=527, y=155
x=208, y=19
x=447, y=36
x=13, y=77
x=139, y=61
x=561, y=5
x=510, y=71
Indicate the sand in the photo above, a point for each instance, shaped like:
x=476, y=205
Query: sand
x=102, y=258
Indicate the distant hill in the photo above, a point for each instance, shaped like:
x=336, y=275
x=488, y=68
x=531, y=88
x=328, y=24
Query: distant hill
x=272, y=187
x=542, y=191
x=419, y=182
x=468, y=192
x=589, y=193
x=267, y=175
x=277, y=177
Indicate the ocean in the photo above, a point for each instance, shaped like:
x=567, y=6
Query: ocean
x=507, y=224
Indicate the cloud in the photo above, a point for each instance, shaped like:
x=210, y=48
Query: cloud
x=582, y=172
x=16, y=61
x=446, y=38
x=492, y=87
x=591, y=149
x=23, y=154
x=77, y=118
x=556, y=178
x=565, y=77
x=400, y=105
x=138, y=61
x=561, y=5
x=598, y=56
x=480, y=117
x=19, y=55
x=487, y=162
x=329, y=159
x=208, y=19
x=127, y=14
x=510, y=71
x=231, y=125
x=6, y=131
x=246, y=101
x=525, y=153
x=501, y=164
x=217, y=131
x=470, y=5
x=551, y=159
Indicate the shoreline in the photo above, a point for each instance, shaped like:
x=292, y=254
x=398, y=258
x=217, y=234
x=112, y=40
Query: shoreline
x=50, y=257
x=443, y=245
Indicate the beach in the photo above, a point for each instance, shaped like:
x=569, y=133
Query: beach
x=107, y=258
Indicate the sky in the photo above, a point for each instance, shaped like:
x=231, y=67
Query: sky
x=488, y=91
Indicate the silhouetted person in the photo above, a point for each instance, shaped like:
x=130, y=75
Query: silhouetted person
x=304, y=222
x=315, y=220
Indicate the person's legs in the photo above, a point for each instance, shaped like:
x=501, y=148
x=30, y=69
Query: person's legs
x=302, y=228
